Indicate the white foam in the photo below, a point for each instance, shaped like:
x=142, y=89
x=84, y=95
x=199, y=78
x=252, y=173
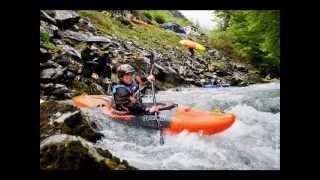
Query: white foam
x=251, y=143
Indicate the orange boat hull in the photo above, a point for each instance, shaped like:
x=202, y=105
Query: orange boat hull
x=180, y=119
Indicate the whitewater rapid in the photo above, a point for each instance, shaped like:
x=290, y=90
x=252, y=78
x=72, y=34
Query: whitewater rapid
x=251, y=143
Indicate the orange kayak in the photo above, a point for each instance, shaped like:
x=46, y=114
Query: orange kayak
x=173, y=121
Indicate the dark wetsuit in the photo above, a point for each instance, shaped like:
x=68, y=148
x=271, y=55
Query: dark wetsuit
x=121, y=98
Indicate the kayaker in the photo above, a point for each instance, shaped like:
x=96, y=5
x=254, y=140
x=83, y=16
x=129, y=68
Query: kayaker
x=126, y=93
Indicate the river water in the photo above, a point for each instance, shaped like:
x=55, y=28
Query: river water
x=251, y=143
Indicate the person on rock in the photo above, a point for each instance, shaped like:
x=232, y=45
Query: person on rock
x=191, y=52
x=96, y=63
x=126, y=95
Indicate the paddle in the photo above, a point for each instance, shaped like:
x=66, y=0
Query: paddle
x=154, y=99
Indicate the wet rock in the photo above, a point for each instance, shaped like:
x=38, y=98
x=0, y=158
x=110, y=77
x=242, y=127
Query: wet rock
x=84, y=23
x=52, y=74
x=46, y=17
x=65, y=152
x=70, y=75
x=55, y=91
x=75, y=35
x=59, y=89
x=189, y=73
x=236, y=79
x=189, y=80
x=182, y=70
x=98, y=39
x=57, y=118
x=45, y=55
x=171, y=70
x=72, y=52
x=66, y=18
x=63, y=59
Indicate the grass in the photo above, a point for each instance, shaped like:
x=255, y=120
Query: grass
x=45, y=41
x=144, y=36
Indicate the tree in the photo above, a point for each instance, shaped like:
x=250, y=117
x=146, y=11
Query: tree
x=256, y=33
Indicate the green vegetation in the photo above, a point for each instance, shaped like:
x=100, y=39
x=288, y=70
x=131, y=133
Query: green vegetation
x=159, y=19
x=148, y=15
x=45, y=40
x=251, y=36
x=144, y=36
x=165, y=16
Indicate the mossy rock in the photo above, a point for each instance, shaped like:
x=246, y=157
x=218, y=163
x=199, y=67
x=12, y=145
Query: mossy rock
x=73, y=125
x=47, y=110
x=74, y=153
x=70, y=156
x=78, y=126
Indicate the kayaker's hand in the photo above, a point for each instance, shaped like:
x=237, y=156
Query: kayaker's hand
x=151, y=78
x=154, y=109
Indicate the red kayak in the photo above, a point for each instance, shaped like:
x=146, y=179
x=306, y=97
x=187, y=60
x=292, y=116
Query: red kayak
x=174, y=119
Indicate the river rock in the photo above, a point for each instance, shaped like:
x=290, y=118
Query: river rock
x=51, y=29
x=98, y=39
x=66, y=18
x=81, y=37
x=52, y=74
x=46, y=17
x=236, y=79
x=45, y=55
x=57, y=118
x=84, y=23
x=65, y=152
x=71, y=51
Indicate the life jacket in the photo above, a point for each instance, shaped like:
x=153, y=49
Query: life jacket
x=133, y=88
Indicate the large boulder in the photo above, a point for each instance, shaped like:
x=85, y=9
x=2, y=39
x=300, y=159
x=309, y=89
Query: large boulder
x=57, y=118
x=49, y=64
x=51, y=74
x=65, y=152
x=71, y=51
x=46, y=17
x=66, y=18
x=78, y=36
x=55, y=91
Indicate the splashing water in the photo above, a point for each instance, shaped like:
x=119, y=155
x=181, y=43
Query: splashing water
x=251, y=143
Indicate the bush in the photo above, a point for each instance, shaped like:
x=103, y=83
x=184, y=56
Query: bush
x=148, y=15
x=159, y=19
x=44, y=37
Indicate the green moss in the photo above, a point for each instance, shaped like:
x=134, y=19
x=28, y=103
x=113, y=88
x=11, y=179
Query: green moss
x=44, y=37
x=47, y=110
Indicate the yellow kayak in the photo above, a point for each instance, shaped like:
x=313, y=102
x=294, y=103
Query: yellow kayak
x=193, y=45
